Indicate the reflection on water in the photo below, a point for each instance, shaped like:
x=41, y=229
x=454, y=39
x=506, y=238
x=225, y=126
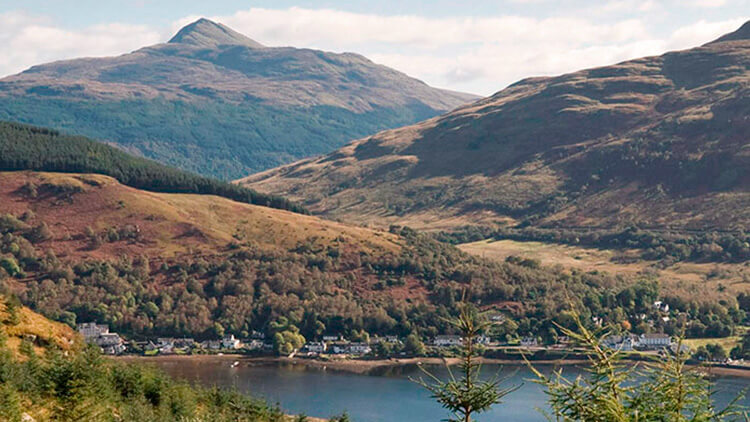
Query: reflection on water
x=386, y=394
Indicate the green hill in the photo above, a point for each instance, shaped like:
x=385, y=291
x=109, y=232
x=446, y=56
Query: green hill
x=25, y=147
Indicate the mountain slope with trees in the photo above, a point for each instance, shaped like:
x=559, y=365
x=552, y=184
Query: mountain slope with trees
x=85, y=248
x=656, y=142
x=218, y=103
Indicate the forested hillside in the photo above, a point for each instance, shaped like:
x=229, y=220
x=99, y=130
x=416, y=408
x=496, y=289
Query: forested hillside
x=25, y=147
x=169, y=264
x=217, y=103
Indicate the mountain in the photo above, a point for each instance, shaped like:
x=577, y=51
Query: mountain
x=218, y=103
x=656, y=142
x=207, y=34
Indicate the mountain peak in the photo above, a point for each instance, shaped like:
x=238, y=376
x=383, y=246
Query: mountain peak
x=741, y=34
x=209, y=34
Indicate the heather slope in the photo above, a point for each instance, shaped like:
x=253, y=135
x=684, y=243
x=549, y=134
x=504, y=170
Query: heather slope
x=658, y=141
x=216, y=102
x=161, y=225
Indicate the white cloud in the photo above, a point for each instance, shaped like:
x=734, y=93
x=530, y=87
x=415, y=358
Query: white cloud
x=708, y=3
x=702, y=32
x=298, y=26
x=26, y=40
x=476, y=54
x=626, y=6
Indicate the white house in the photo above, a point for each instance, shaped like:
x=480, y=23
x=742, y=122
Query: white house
x=359, y=348
x=664, y=307
x=91, y=330
x=254, y=344
x=110, y=343
x=482, y=339
x=625, y=343
x=654, y=341
x=331, y=338
x=316, y=347
x=229, y=342
x=447, y=341
x=529, y=342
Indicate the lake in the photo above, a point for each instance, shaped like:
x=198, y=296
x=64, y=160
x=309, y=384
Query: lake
x=383, y=395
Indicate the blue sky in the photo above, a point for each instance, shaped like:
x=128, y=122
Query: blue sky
x=475, y=46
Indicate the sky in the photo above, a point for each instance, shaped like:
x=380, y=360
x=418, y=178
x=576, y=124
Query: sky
x=476, y=46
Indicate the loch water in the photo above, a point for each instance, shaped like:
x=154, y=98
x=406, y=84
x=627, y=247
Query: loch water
x=385, y=394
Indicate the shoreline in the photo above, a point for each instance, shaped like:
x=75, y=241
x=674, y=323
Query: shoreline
x=353, y=366
x=365, y=367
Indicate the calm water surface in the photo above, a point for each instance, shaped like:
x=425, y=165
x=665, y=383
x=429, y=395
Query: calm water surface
x=387, y=395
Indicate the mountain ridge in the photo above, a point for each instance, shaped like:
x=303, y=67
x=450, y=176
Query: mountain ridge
x=743, y=33
x=655, y=141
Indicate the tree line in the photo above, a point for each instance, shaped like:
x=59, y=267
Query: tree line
x=666, y=245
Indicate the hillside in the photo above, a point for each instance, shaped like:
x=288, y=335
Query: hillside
x=86, y=248
x=218, y=103
x=19, y=323
x=655, y=142
x=25, y=147
x=47, y=374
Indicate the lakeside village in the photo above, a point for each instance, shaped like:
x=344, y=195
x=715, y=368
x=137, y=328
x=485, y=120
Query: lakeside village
x=329, y=346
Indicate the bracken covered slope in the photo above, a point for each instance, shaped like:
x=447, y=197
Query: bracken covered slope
x=214, y=101
x=657, y=141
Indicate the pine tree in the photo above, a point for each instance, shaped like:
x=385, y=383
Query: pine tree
x=466, y=395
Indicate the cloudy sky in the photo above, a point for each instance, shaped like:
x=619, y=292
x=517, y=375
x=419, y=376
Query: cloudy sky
x=475, y=46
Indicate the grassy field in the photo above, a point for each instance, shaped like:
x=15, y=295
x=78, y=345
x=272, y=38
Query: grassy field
x=709, y=280
x=728, y=342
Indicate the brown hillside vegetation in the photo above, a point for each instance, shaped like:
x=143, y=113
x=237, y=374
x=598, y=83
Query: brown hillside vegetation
x=162, y=225
x=20, y=323
x=657, y=141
